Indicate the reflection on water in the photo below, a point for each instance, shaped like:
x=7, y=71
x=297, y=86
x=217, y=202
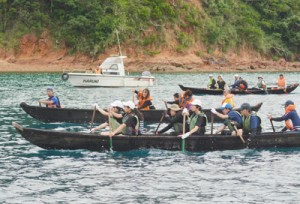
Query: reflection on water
x=29, y=174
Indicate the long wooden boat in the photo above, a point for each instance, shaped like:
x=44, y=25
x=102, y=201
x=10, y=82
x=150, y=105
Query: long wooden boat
x=270, y=90
x=75, y=115
x=49, y=139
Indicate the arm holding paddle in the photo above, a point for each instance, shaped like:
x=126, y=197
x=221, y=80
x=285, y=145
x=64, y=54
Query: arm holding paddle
x=220, y=115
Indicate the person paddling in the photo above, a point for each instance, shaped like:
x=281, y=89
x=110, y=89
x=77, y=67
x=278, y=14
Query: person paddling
x=176, y=99
x=232, y=118
x=197, y=120
x=175, y=120
x=212, y=82
x=145, y=100
x=221, y=83
x=115, y=115
x=52, y=101
x=130, y=122
x=251, y=121
x=291, y=117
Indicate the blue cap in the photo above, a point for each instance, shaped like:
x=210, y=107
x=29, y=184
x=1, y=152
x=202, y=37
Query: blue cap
x=226, y=105
x=50, y=88
x=288, y=102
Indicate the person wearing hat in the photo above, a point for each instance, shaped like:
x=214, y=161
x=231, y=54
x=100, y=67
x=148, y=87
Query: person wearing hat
x=130, y=122
x=281, y=82
x=232, y=118
x=212, y=82
x=251, y=121
x=221, y=83
x=261, y=84
x=115, y=114
x=197, y=121
x=291, y=117
x=52, y=101
x=175, y=120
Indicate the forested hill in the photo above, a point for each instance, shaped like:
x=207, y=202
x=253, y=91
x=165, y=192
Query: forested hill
x=269, y=27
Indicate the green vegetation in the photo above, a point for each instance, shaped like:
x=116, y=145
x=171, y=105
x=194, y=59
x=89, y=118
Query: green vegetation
x=271, y=27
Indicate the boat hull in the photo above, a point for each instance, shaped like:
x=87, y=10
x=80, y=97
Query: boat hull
x=96, y=80
x=71, y=115
x=274, y=90
x=49, y=139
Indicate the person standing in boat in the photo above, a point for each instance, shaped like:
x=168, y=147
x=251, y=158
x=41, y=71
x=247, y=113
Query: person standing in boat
x=233, y=120
x=281, y=82
x=145, y=100
x=212, y=82
x=291, y=117
x=175, y=120
x=251, y=121
x=186, y=100
x=197, y=120
x=228, y=98
x=52, y=101
x=130, y=122
x=115, y=115
x=221, y=83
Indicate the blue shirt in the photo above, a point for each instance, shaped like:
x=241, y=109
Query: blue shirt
x=54, y=99
x=293, y=116
x=234, y=116
x=254, y=122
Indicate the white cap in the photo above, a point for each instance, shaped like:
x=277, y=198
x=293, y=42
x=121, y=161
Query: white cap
x=117, y=104
x=210, y=75
x=196, y=102
x=130, y=104
x=236, y=75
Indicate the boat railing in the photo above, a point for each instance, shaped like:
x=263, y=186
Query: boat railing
x=79, y=71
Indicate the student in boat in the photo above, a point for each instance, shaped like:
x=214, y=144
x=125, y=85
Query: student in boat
x=243, y=85
x=52, y=101
x=197, y=120
x=145, y=100
x=251, y=121
x=236, y=83
x=212, y=82
x=130, y=122
x=115, y=115
x=233, y=120
x=291, y=117
x=176, y=99
x=228, y=98
x=221, y=83
x=281, y=82
x=186, y=100
x=175, y=120
x=261, y=84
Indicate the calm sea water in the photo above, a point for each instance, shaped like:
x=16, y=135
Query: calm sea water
x=29, y=174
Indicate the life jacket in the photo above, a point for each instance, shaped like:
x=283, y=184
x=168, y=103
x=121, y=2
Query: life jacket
x=261, y=84
x=289, y=123
x=143, y=100
x=228, y=123
x=56, y=106
x=228, y=99
x=114, y=123
x=281, y=82
x=193, y=120
x=246, y=122
x=242, y=86
x=130, y=130
x=185, y=102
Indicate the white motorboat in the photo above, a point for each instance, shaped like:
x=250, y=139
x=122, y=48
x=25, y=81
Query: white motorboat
x=111, y=74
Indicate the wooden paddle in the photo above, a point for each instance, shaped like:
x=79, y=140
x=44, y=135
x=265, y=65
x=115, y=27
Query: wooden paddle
x=166, y=105
x=93, y=117
x=212, y=123
x=161, y=119
x=271, y=121
x=183, y=132
x=239, y=135
x=110, y=130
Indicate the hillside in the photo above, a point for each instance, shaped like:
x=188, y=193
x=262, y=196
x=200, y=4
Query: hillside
x=160, y=35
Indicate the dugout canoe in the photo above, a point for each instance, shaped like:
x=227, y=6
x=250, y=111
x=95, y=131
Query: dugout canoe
x=270, y=90
x=76, y=115
x=63, y=140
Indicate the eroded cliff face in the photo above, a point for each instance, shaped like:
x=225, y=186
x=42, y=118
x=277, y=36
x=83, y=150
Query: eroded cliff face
x=42, y=54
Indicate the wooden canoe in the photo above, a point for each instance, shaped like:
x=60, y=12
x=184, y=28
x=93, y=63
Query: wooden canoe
x=270, y=90
x=63, y=140
x=75, y=115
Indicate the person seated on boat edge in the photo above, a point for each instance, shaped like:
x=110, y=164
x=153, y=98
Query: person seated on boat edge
x=221, y=83
x=291, y=117
x=186, y=100
x=236, y=83
x=212, y=82
x=115, y=114
x=130, y=122
x=52, y=101
x=281, y=82
x=144, y=98
x=251, y=122
x=175, y=120
x=197, y=120
x=233, y=119
x=98, y=70
x=176, y=99
x=228, y=98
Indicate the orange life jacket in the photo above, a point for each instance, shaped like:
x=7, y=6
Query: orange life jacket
x=187, y=103
x=98, y=71
x=228, y=99
x=242, y=86
x=281, y=82
x=143, y=100
x=288, y=123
